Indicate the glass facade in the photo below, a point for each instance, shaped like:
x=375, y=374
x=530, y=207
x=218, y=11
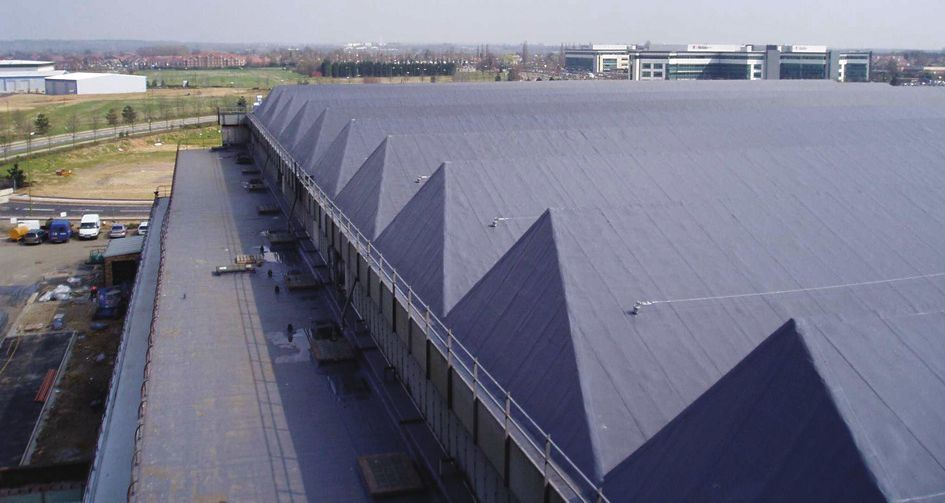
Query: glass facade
x=710, y=71
x=579, y=64
x=798, y=71
x=855, y=72
x=608, y=64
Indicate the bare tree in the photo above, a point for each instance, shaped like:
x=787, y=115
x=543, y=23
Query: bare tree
x=72, y=124
x=148, y=112
x=164, y=111
x=95, y=123
x=5, y=137
x=25, y=128
x=112, y=118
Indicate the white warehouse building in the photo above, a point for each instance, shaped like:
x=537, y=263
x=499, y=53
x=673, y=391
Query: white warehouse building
x=20, y=76
x=96, y=83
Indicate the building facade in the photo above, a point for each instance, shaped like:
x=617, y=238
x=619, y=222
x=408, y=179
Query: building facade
x=19, y=76
x=95, y=83
x=723, y=62
x=598, y=58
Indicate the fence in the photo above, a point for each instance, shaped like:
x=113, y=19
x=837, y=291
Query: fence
x=560, y=474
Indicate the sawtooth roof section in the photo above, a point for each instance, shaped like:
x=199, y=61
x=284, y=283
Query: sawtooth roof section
x=283, y=119
x=525, y=292
x=384, y=184
x=703, y=265
x=395, y=171
x=703, y=120
x=294, y=136
x=823, y=410
x=770, y=430
x=441, y=265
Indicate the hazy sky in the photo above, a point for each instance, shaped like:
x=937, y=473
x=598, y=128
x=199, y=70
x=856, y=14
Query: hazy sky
x=837, y=23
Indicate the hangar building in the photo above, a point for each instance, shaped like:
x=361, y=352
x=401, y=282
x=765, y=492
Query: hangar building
x=673, y=283
x=96, y=83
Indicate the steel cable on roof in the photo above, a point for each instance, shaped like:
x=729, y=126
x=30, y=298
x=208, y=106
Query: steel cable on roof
x=644, y=303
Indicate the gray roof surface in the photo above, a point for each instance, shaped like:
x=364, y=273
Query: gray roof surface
x=111, y=473
x=731, y=208
x=124, y=246
x=235, y=411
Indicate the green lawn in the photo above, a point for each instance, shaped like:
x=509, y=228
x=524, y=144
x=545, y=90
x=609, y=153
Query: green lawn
x=90, y=114
x=249, y=78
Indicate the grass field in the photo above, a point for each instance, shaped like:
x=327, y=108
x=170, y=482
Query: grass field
x=125, y=169
x=158, y=104
x=247, y=78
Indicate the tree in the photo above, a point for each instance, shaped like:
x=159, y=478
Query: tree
x=164, y=111
x=95, y=123
x=149, y=112
x=25, y=127
x=72, y=123
x=41, y=125
x=22, y=126
x=5, y=137
x=241, y=102
x=129, y=116
x=111, y=117
x=17, y=176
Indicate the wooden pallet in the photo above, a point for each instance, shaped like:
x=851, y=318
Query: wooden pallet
x=248, y=259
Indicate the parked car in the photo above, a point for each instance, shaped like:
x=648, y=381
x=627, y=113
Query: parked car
x=143, y=228
x=34, y=237
x=90, y=226
x=22, y=227
x=60, y=231
x=118, y=231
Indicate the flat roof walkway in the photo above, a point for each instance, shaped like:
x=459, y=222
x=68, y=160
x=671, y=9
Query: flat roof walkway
x=236, y=412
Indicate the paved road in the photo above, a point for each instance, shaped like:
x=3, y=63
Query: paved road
x=43, y=210
x=63, y=140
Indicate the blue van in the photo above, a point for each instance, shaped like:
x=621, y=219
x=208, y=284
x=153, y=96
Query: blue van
x=60, y=231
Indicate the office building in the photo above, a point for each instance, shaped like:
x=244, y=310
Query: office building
x=723, y=62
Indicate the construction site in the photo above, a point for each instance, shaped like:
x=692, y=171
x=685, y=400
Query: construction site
x=564, y=291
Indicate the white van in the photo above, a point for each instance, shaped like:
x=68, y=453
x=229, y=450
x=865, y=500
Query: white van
x=90, y=226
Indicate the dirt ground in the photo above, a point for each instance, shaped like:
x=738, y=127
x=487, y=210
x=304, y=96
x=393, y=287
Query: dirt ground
x=129, y=168
x=71, y=424
x=110, y=181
